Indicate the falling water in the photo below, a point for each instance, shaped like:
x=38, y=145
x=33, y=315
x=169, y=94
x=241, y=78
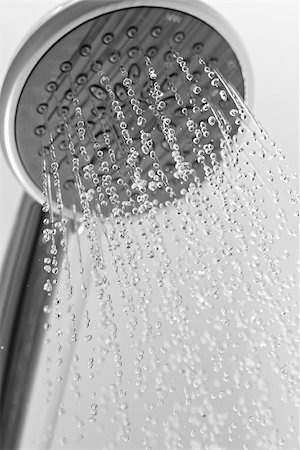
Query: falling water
x=188, y=336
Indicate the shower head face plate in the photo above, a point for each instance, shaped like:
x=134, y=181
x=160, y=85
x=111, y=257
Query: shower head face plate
x=122, y=38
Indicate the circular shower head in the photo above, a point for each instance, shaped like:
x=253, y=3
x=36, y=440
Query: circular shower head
x=63, y=57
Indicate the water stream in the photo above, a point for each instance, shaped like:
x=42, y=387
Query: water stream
x=187, y=337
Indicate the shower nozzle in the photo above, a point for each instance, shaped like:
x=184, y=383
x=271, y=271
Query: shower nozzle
x=58, y=92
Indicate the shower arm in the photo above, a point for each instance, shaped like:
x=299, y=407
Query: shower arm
x=20, y=330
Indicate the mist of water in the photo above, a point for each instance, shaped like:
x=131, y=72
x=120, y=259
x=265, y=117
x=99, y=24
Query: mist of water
x=188, y=336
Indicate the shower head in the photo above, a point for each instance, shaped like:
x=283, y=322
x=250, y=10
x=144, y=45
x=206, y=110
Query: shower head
x=59, y=69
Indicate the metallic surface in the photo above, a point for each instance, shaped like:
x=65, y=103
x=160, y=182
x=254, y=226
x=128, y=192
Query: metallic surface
x=42, y=80
x=21, y=311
